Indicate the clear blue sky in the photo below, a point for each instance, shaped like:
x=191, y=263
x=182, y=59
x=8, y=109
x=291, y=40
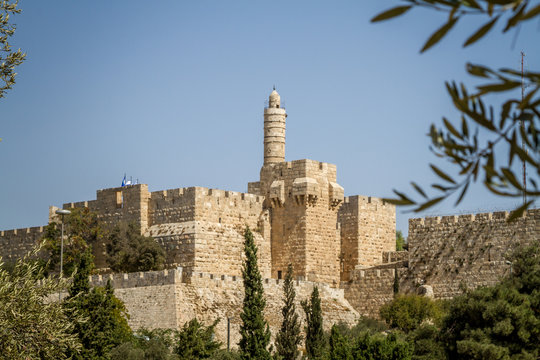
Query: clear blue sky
x=172, y=93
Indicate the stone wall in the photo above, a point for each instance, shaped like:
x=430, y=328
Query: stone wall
x=302, y=198
x=114, y=205
x=369, y=289
x=368, y=228
x=393, y=256
x=452, y=252
x=15, y=244
x=201, y=229
x=170, y=298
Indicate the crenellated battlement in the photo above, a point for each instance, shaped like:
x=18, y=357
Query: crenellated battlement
x=360, y=274
x=468, y=218
x=200, y=279
x=138, y=279
x=446, y=252
x=366, y=200
x=35, y=230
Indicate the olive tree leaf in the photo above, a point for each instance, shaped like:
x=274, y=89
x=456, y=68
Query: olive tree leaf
x=441, y=174
x=519, y=211
x=531, y=13
x=429, y=203
x=480, y=32
x=419, y=189
x=391, y=13
x=439, y=34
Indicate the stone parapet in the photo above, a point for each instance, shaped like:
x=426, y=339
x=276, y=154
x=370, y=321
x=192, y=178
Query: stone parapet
x=452, y=252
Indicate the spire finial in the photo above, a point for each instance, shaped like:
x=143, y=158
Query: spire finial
x=274, y=86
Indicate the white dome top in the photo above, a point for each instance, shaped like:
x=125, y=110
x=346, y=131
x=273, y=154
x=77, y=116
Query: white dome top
x=274, y=99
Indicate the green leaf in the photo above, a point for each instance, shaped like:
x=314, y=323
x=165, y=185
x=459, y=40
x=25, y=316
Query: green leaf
x=404, y=197
x=466, y=168
x=509, y=175
x=516, y=17
x=464, y=127
x=479, y=119
x=391, y=13
x=480, y=32
x=462, y=193
x=472, y=4
x=508, y=85
x=531, y=13
x=478, y=70
x=418, y=189
x=451, y=128
x=519, y=211
x=429, y=204
x=439, y=34
x=440, y=187
x=441, y=174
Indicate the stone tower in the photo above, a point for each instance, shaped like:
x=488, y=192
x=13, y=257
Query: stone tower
x=302, y=199
x=274, y=130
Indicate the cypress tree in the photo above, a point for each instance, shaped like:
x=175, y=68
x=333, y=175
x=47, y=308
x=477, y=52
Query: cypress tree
x=288, y=338
x=315, y=341
x=340, y=346
x=396, y=281
x=254, y=329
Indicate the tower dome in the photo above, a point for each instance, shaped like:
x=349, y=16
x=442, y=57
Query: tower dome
x=274, y=100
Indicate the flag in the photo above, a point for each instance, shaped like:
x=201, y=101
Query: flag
x=124, y=180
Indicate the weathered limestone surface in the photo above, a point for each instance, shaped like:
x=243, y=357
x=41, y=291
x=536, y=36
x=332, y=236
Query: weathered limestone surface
x=303, y=198
x=369, y=289
x=446, y=254
x=15, y=244
x=170, y=298
x=368, y=228
x=450, y=252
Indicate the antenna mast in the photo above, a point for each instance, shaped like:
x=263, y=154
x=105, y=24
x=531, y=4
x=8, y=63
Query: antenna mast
x=523, y=132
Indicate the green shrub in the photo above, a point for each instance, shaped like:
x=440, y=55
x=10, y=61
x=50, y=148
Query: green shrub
x=129, y=251
x=407, y=312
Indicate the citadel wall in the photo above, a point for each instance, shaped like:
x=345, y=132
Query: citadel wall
x=170, y=298
x=369, y=289
x=201, y=229
x=450, y=252
x=15, y=244
x=368, y=228
x=128, y=204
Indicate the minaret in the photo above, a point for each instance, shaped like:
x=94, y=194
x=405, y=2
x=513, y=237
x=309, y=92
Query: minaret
x=274, y=130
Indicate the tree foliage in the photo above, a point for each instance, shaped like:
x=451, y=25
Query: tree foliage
x=499, y=322
x=427, y=343
x=32, y=326
x=315, y=339
x=400, y=241
x=340, y=346
x=288, y=337
x=105, y=317
x=129, y=251
x=196, y=341
x=254, y=330
x=381, y=347
x=9, y=59
x=471, y=143
x=407, y=311
x=81, y=233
